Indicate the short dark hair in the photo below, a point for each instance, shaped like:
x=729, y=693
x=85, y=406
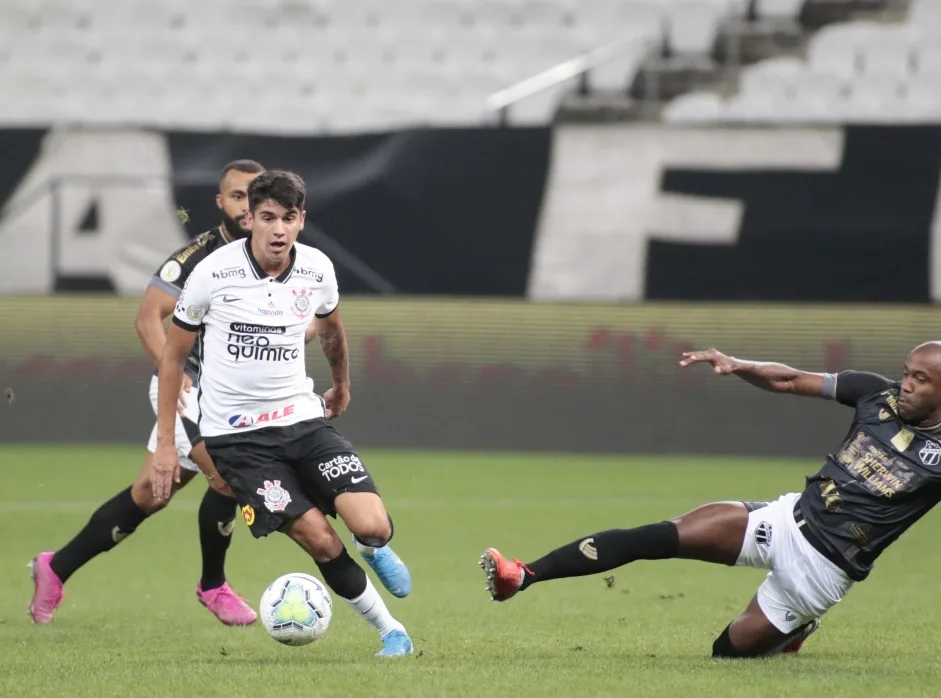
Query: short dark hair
x=249, y=166
x=280, y=186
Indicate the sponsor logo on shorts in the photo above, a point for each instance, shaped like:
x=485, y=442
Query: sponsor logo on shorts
x=763, y=533
x=357, y=480
x=338, y=466
x=790, y=617
x=930, y=453
x=588, y=549
x=276, y=497
x=248, y=514
x=240, y=421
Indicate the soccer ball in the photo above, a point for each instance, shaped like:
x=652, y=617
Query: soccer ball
x=296, y=609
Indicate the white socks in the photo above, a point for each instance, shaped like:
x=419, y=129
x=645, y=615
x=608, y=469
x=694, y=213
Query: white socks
x=371, y=607
x=366, y=550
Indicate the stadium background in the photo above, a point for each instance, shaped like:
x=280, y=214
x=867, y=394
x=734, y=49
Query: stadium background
x=534, y=206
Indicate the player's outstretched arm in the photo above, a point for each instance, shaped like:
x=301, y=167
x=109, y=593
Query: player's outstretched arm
x=332, y=338
x=773, y=377
x=166, y=464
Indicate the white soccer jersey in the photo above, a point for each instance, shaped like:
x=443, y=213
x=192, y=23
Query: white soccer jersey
x=252, y=328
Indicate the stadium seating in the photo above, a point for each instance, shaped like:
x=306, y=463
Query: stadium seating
x=338, y=64
x=852, y=72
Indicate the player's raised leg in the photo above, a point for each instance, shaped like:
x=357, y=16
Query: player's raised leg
x=713, y=533
x=216, y=517
x=110, y=524
x=348, y=580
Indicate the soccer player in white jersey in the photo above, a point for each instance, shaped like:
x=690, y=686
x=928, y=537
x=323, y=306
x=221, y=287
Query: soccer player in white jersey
x=253, y=304
x=121, y=515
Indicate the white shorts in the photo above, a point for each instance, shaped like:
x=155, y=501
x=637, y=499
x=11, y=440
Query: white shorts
x=183, y=443
x=802, y=584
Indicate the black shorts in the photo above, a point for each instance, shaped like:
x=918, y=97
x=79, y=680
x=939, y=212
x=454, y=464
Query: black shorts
x=278, y=473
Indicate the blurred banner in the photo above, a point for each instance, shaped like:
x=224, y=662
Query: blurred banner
x=431, y=211
x=494, y=375
x=581, y=213
x=789, y=214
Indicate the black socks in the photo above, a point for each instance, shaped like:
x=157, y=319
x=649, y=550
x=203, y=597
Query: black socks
x=605, y=551
x=114, y=521
x=216, y=523
x=344, y=576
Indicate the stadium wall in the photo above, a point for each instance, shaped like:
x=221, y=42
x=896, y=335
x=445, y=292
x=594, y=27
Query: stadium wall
x=579, y=213
x=486, y=375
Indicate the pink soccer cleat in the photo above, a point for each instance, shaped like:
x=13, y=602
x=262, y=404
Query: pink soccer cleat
x=226, y=605
x=48, y=589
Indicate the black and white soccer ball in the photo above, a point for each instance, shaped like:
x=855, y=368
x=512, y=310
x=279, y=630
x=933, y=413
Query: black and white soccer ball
x=296, y=609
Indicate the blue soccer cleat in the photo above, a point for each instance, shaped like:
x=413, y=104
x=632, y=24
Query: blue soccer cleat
x=395, y=643
x=391, y=571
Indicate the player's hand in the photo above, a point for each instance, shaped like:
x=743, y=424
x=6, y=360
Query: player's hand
x=215, y=479
x=337, y=399
x=220, y=486
x=721, y=364
x=187, y=385
x=164, y=472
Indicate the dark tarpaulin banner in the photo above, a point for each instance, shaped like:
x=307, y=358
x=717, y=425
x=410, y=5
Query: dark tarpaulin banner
x=427, y=211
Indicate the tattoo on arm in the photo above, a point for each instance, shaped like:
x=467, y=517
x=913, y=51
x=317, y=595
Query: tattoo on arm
x=333, y=343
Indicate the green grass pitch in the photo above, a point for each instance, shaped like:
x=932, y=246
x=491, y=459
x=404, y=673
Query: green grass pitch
x=130, y=624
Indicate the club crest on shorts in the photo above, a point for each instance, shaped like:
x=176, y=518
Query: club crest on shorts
x=276, y=497
x=763, y=533
x=930, y=453
x=301, y=306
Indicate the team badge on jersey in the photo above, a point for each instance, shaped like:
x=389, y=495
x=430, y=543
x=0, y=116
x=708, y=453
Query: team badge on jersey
x=276, y=497
x=301, y=306
x=930, y=453
x=171, y=271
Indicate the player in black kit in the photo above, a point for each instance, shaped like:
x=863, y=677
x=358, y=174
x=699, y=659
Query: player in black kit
x=884, y=477
x=120, y=516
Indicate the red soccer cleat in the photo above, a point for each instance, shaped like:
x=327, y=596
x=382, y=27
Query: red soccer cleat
x=504, y=577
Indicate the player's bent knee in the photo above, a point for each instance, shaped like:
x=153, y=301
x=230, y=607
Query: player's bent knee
x=376, y=537
x=315, y=535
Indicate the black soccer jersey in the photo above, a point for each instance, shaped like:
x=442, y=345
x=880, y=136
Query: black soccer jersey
x=173, y=273
x=885, y=477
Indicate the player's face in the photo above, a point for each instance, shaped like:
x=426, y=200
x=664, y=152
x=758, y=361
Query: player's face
x=274, y=231
x=920, y=394
x=232, y=201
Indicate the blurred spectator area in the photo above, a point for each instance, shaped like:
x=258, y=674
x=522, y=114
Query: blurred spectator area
x=312, y=66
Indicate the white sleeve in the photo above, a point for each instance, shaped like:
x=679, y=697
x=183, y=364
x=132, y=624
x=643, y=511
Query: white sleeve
x=193, y=303
x=330, y=292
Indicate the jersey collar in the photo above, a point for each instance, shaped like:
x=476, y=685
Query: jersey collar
x=261, y=273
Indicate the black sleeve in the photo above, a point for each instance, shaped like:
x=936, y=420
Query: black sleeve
x=172, y=274
x=853, y=386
